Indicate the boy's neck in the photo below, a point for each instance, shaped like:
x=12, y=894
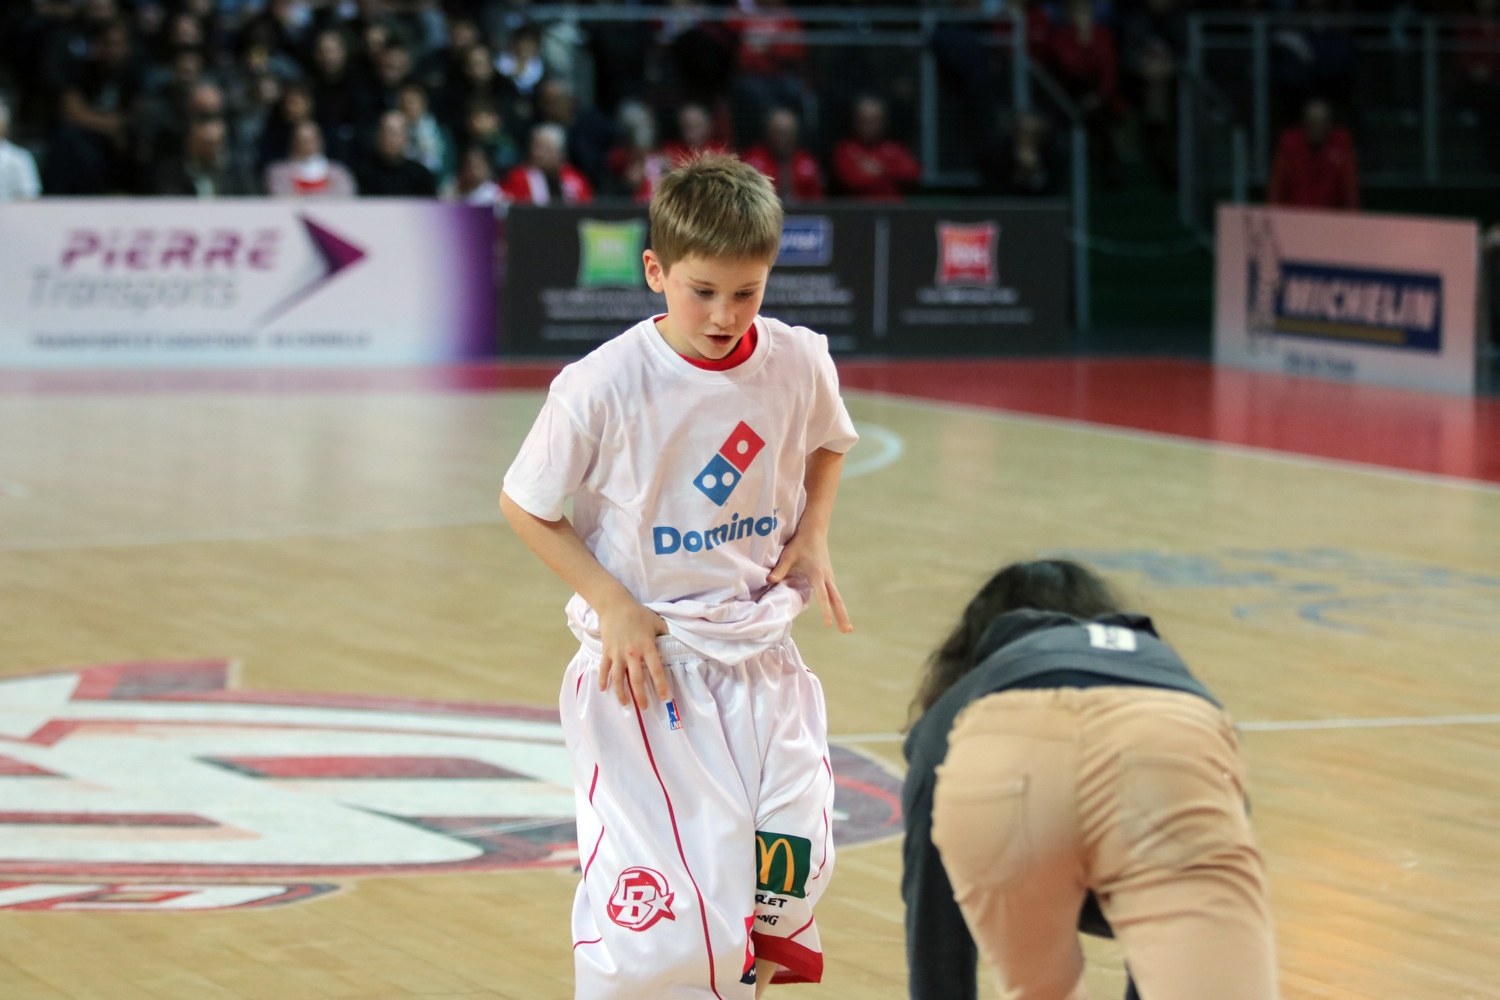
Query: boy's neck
x=743, y=348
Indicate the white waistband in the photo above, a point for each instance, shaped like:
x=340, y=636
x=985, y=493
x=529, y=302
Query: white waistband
x=669, y=648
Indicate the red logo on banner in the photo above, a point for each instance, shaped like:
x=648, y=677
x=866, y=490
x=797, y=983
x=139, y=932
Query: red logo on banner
x=641, y=898
x=967, y=253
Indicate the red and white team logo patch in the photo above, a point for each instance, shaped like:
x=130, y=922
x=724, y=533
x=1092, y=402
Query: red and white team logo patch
x=967, y=253
x=641, y=898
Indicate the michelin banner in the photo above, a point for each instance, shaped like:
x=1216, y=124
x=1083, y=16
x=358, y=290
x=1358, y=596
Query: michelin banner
x=1382, y=299
x=244, y=282
x=975, y=278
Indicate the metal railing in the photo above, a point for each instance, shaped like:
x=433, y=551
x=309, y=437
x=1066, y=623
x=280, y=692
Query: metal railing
x=1404, y=94
x=1078, y=156
x=1212, y=155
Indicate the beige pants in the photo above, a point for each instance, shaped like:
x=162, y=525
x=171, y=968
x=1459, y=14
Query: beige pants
x=1136, y=793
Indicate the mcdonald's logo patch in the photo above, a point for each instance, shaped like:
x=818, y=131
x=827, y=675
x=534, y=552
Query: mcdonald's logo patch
x=782, y=862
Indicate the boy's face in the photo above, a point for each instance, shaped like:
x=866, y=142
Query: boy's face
x=710, y=302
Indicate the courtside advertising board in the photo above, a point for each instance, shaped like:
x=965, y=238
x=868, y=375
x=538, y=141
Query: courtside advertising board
x=972, y=278
x=1381, y=299
x=244, y=282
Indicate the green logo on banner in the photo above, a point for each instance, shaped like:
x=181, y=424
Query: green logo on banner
x=609, y=253
x=782, y=861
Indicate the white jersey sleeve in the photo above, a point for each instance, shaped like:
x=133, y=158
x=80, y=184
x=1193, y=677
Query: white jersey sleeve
x=828, y=423
x=553, y=461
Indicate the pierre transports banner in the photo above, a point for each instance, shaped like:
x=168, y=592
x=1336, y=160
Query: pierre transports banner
x=244, y=282
x=1383, y=299
x=976, y=278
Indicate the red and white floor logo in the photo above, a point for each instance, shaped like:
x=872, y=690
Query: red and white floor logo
x=641, y=898
x=159, y=786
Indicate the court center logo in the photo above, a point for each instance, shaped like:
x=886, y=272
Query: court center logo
x=641, y=898
x=968, y=254
x=724, y=471
x=160, y=787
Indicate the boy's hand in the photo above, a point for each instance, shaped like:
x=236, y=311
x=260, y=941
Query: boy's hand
x=807, y=556
x=628, y=631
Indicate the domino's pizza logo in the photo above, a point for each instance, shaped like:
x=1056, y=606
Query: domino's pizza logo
x=724, y=471
x=641, y=898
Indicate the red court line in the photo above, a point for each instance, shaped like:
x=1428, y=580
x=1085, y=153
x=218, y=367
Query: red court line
x=1397, y=429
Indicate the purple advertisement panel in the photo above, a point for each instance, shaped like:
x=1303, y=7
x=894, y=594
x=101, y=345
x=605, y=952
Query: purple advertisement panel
x=244, y=283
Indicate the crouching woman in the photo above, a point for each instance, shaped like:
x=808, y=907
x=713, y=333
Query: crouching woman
x=1065, y=757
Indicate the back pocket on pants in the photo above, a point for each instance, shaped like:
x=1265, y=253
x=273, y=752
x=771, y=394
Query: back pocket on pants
x=980, y=831
x=1175, y=810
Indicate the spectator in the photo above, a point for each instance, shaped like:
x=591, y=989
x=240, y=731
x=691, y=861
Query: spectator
x=18, y=176
x=483, y=129
x=1479, y=68
x=521, y=62
x=259, y=99
x=1028, y=165
x=389, y=172
x=307, y=171
x=590, y=132
x=636, y=165
x=792, y=170
x=868, y=165
x=966, y=66
x=428, y=144
x=342, y=99
x=283, y=28
x=475, y=182
x=481, y=83
x=1081, y=54
x=771, y=60
x=89, y=154
x=163, y=118
x=1311, y=59
x=393, y=71
x=546, y=178
x=695, y=136
x=1154, y=42
x=205, y=169
x=620, y=50
x=294, y=108
x=443, y=68
x=164, y=127
x=701, y=50
x=1315, y=165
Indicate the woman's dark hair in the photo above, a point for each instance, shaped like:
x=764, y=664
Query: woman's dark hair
x=1045, y=585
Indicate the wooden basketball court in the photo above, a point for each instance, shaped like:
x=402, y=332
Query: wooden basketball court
x=1326, y=558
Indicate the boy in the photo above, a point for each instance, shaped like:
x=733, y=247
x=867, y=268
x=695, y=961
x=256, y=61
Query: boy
x=704, y=791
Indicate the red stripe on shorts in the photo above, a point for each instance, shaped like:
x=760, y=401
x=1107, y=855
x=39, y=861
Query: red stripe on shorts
x=708, y=942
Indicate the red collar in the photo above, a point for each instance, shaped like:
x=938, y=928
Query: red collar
x=733, y=359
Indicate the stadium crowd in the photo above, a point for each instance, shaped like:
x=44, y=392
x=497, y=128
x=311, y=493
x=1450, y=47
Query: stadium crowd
x=472, y=99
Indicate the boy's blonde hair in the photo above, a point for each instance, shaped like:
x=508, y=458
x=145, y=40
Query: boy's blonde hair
x=715, y=206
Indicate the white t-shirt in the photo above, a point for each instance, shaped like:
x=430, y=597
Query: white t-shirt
x=687, y=483
x=18, y=178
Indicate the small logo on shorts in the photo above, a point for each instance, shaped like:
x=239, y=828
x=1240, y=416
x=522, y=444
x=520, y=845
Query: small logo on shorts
x=784, y=861
x=722, y=474
x=641, y=898
x=674, y=721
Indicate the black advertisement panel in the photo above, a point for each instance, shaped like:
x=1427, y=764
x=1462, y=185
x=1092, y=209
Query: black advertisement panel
x=876, y=279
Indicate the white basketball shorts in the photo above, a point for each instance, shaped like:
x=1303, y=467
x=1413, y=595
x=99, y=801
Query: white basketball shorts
x=704, y=826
